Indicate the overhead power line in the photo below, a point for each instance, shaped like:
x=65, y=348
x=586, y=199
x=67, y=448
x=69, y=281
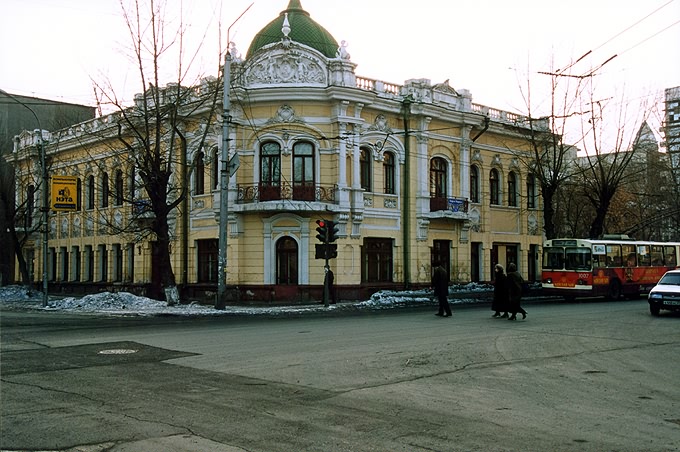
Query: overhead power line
x=569, y=66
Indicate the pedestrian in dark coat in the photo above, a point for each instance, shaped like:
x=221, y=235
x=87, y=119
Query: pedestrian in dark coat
x=515, y=283
x=501, y=299
x=440, y=285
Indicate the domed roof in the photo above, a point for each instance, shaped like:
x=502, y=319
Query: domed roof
x=303, y=29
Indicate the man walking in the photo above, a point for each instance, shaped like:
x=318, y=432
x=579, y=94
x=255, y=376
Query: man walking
x=440, y=285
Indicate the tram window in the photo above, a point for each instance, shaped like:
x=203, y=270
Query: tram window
x=601, y=260
x=578, y=259
x=657, y=255
x=643, y=256
x=629, y=252
x=613, y=255
x=669, y=253
x=553, y=258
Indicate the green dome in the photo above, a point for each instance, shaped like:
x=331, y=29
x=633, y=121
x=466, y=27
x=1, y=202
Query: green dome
x=303, y=30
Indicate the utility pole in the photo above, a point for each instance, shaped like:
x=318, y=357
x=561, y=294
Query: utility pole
x=45, y=213
x=223, y=225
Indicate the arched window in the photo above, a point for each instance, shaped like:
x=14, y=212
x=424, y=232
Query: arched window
x=215, y=168
x=90, y=192
x=474, y=183
x=270, y=171
x=199, y=175
x=104, y=201
x=388, y=170
x=438, y=184
x=79, y=194
x=365, y=169
x=119, y=188
x=438, y=178
x=286, y=261
x=531, y=192
x=512, y=189
x=132, y=181
x=303, y=171
x=494, y=187
x=30, y=205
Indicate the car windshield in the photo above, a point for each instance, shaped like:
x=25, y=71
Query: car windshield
x=670, y=279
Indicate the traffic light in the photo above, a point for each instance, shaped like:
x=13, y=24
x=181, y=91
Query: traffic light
x=322, y=230
x=332, y=250
x=332, y=231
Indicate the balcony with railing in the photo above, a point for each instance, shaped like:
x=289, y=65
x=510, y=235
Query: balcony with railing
x=448, y=207
x=285, y=191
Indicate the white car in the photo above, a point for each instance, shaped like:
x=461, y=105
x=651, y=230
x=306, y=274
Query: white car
x=666, y=293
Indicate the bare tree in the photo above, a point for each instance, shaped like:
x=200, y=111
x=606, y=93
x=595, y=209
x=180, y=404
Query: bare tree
x=551, y=158
x=604, y=168
x=152, y=134
x=22, y=211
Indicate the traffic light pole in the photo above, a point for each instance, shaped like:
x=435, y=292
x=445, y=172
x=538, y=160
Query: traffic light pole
x=326, y=282
x=326, y=235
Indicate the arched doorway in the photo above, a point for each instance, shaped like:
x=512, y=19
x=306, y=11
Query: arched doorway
x=286, y=261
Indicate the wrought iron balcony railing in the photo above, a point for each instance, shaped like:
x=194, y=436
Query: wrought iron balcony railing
x=449, y=204
x=250, y=193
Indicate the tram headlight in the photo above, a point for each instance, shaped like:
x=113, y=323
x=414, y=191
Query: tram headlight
x=548, y=281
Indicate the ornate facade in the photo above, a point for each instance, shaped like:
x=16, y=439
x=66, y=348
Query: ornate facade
x=411, y=173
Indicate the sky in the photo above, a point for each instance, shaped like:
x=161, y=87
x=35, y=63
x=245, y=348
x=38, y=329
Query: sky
x=55, y=48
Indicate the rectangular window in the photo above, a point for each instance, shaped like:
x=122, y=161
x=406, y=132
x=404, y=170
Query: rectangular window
x=376, y=260
x=75, y=263
x=117, y=263
x=207, y=260
x=89, y=263
x=130, y=262
x=52, y=267
x=63, y=255
x=103, y=263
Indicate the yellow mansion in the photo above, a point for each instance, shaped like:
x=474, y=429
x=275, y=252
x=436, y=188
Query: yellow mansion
x=411, y=174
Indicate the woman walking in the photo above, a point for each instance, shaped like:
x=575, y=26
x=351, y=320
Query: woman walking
x=515, y=282
x=500, y=292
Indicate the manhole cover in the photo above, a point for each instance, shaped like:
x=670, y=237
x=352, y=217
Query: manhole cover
x=117, y=351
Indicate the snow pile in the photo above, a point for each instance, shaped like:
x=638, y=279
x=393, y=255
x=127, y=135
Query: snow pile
x=18, y=293
x=125, y=303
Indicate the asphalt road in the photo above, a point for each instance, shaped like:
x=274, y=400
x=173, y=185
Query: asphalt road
x=594, y=376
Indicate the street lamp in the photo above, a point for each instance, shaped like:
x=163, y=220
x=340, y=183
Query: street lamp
x=45, y=208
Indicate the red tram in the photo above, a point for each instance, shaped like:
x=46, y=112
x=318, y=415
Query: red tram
x=605, y=268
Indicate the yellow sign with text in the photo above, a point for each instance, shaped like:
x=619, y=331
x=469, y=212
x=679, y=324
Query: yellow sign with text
x=64, y=193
